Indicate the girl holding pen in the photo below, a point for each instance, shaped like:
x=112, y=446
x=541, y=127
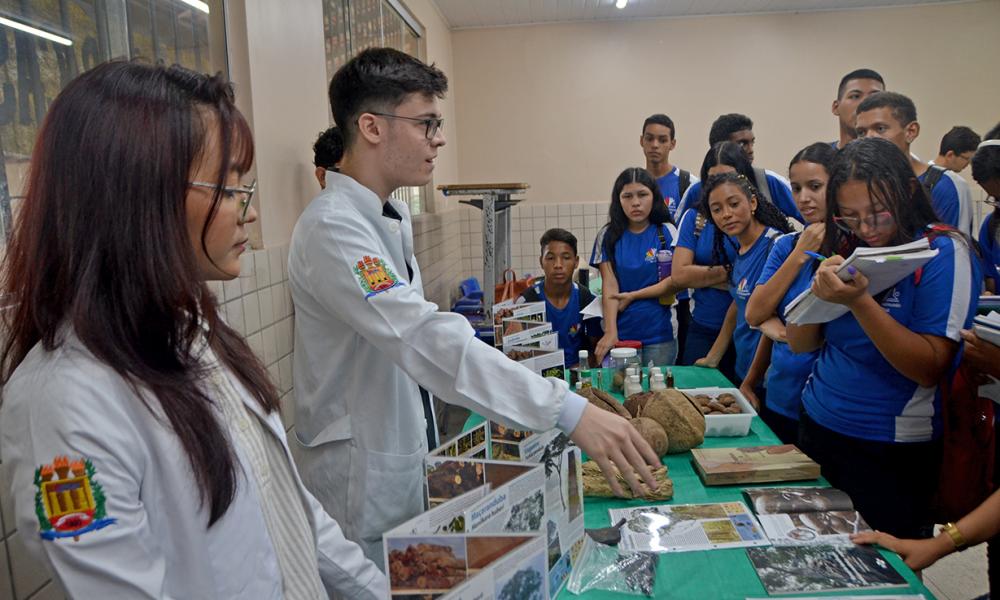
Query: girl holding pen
x=787, y=273
x=731, y=203
x=872, y=403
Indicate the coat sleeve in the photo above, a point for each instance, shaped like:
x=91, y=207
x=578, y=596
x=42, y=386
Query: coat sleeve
x=49, y=417
x=437, y=349
x=345, y=570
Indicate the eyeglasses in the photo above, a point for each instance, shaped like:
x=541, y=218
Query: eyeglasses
x=992, y=202
x=876, y=221
x=232, y=192
x=431, y=125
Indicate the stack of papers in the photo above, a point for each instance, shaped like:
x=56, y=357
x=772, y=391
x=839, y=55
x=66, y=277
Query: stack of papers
x=884, y=267
x=987, y=327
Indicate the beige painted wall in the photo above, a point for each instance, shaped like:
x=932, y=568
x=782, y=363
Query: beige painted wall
x=561, y=106
x=277, y=56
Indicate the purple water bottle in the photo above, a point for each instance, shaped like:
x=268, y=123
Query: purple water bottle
x=664, y=266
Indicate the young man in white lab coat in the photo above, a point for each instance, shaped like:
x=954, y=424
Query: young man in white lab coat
x=365, y=336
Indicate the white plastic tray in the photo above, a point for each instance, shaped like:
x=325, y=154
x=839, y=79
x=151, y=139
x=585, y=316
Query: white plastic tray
x=726, y=425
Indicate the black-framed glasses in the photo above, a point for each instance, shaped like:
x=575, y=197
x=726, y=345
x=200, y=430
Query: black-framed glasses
x=431, y=125
x=246, y=191
x=992, y=201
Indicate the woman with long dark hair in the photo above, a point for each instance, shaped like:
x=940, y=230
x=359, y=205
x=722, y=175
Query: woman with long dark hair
x=134, y=420
x=741, y=216
x=694, y=266
x=787, y=273
x=986, y=172
x=872, y=403
x=625, y=250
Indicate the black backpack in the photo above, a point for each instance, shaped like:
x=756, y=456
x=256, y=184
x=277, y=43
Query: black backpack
x=684, y=182
x=932, y=177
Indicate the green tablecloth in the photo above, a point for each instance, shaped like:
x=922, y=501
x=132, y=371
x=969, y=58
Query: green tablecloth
x=709, y=574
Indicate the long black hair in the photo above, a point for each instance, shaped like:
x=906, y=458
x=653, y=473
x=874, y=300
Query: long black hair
x=102, y=246
x=724, y=153
x=618, y=221
x=766, y=214
x=986, y=167
x=887, y=173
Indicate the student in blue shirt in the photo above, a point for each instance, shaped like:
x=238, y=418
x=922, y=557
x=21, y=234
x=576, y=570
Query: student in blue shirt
x=658, y=140
x=893, y=117
x=770, y=186
x=854, y=87
x=695, y=267
x=986, y=172
x=872, y=403
x=732, y=203
x=625, y=250
x=563, y=298
x=787, y=273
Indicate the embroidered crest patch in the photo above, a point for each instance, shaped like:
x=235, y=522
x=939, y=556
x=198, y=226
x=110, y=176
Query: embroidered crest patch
x=68, y=501
x=375, y=276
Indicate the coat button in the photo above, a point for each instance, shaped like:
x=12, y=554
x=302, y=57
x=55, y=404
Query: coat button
x=394, y=227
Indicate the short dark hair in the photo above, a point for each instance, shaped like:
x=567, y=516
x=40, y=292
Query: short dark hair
x=959, y=139
x=903, y=109
x=726, y=125
x=379, y=79
x=858, y=74
x=820, y=153
x=660, y=119
x=328, y=149
x=558, y=235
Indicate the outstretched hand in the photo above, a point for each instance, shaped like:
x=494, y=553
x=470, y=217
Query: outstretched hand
x=917, y=554
x=611, y=440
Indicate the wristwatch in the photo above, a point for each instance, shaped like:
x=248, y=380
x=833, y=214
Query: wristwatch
x=956, y=536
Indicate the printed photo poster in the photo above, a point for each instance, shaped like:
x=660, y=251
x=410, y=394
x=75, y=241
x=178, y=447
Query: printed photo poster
x=687, y=527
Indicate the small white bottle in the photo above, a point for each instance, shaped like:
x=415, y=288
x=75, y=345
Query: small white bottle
x=657, y=383
x=633, y=385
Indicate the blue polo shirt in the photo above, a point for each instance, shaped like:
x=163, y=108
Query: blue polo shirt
x=567, y=321
x=944, y=198
x=645, y=320
x=777, y=186
x=747, y=268
x=991, y=250
x=670, y=186
x=710, y=304
x=853, y=389
x=788, y=372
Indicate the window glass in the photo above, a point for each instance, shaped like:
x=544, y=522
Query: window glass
x=46, y=43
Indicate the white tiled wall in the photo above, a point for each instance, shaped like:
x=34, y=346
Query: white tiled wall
x=437, y=244
x=528, y=222
x=259, y=305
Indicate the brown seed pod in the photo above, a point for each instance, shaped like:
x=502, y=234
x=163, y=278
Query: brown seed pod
x=635, y=402
x=681, y=418
x=653, y=433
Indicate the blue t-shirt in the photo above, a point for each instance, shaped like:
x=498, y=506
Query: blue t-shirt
x=944, y=198
x=777, y=186
x=645, y=320
x=746, y=269
x=670, y=187
x=568, y=323
x=853, y=389
x=789, y=371
x=710, y=304
x=991, y=251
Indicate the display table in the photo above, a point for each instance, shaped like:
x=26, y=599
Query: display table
x=709, y=574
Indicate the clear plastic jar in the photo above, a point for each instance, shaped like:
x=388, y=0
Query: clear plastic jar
x=621, y=359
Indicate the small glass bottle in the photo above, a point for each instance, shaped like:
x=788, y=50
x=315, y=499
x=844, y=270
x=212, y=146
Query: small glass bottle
x=670, y=378
x=633, y=386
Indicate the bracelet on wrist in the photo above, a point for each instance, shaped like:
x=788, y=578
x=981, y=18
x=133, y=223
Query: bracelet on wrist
x=956, y=536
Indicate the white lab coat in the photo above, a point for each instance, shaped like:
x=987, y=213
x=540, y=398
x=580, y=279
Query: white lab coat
x=67, y=403
x=359, y=423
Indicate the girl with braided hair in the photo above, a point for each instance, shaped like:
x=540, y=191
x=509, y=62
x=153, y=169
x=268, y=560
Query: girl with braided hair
x=733, y=205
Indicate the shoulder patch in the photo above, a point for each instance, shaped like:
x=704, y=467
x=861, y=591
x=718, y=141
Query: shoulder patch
x=68, y=500
x=374, y=276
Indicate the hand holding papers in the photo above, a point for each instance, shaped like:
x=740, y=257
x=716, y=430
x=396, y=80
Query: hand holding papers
x=883, y=267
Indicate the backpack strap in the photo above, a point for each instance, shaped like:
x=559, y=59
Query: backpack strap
x=531, y=294
x=683, y=183
x=932, y=177
x=760, y=177
x=663, y=239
